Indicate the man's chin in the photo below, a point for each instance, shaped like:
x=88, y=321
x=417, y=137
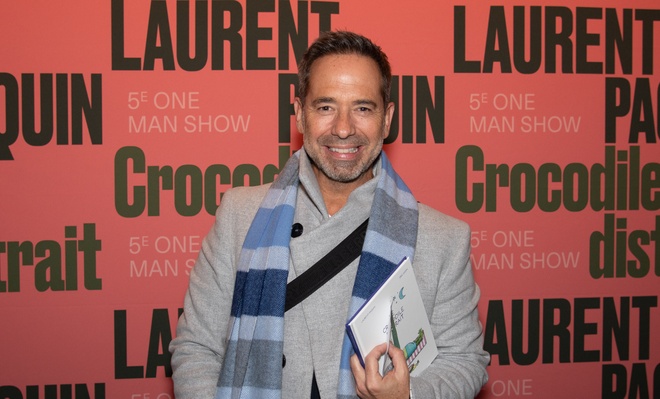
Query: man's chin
x=343, y=174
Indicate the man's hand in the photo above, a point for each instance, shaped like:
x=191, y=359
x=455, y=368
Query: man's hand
x=369, y=383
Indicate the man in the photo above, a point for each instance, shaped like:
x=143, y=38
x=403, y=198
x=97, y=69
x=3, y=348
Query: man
x=234, y=338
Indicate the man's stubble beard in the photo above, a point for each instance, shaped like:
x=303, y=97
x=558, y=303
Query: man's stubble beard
x=342, y=171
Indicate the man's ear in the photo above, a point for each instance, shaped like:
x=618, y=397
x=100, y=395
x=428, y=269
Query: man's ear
x=298, y=109
x=389, y=114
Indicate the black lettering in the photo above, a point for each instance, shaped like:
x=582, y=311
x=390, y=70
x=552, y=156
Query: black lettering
x=64, y=391
x=83, y=108
x=582, y=328
x=124, y=156
x=287, y=91
x=575, y=177
x=642, y=117
x=62, y=111
x=158, y=31
x=10, y=392
x=243, y=171
x=639, y=385
x=614, y=381
x=616, y=329
x=523, y=182
x=89, y=246
x=234, y=26
x=584, y=39
x=556, y=320
x=159, y=341
x=615, y=89
x=31, y=135
x=119, y=61
x=644, y=304
x=10, y=134
x=89, y=107
x=193, y=188
x=82, y=392
x=158, y=178
x=519, y=38
x=609, y=250
x=49, y=273
x=466, y=155
x=549, y=200
x=18, y=254
x=215, y=176
x=621, y=183
x=201, y=27
x=288, y=31
x=648, y=18
x=461, y=64
x=518, y=330
x=227, y=32
x=618, y=39
x=325, y=9
x=254, y=34
x=497, y=42
x=406, y=112
x=561, y=17
x=425, y=106
x=495, y=333
x=122, y=369
x=601, y=189
x=557, y=31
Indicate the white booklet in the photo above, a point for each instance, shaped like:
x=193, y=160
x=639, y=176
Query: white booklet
x=395, y=313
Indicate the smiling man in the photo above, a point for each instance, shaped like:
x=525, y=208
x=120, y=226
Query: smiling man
x=242, y=335
x=344, y=120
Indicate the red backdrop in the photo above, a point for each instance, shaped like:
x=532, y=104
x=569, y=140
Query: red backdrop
x=122, y=123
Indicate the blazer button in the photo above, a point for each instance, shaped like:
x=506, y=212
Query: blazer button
x=283, y=360
x=296, y=230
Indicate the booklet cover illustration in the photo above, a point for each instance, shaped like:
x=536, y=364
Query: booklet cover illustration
x=395, y=313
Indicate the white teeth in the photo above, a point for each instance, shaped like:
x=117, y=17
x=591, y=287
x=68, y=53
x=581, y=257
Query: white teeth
x=344, y=150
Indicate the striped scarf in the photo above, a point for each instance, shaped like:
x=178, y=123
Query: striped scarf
x=252, y=365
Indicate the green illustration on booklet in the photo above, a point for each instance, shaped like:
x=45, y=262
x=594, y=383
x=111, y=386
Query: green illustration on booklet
x=395, y=314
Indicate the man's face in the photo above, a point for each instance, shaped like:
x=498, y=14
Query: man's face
x=343, y=119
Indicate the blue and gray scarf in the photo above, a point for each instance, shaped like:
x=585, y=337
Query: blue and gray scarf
x=253, y=360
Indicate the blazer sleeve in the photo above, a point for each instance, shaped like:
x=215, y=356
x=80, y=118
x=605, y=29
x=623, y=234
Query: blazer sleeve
x=444, y=273
x=199, y=345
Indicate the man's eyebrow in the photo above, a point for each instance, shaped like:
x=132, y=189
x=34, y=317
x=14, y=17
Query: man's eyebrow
x=372, y=103
x=322, y=100
x=331, y=100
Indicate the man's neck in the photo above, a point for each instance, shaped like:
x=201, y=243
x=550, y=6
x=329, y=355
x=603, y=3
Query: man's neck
x=335, y=194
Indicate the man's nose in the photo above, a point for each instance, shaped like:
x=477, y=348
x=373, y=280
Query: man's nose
x=343, y=124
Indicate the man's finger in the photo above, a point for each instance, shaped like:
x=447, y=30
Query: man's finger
x=371, y=362
x=398, y=358
x=357, y=369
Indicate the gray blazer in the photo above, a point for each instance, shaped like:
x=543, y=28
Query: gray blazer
x=314, y=329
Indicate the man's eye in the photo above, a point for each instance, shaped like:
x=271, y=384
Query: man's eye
x=364, y=109
x=324, y=108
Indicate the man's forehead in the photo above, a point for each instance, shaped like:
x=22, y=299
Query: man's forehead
x=333, y=76
x=351, y=58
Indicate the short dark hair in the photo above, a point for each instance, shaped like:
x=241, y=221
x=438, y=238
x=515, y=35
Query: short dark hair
x=344, y=42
